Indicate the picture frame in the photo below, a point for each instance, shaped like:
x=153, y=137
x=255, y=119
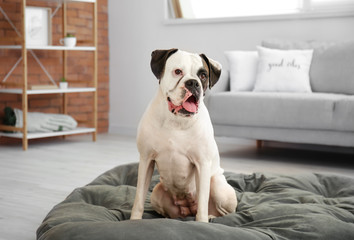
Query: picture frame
x=38, y=26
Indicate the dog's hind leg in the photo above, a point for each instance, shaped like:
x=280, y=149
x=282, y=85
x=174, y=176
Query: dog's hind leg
x=163, y=203
x=222, y=197
x=168, y=206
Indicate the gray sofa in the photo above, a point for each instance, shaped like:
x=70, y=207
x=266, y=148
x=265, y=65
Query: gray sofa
x=325, y=116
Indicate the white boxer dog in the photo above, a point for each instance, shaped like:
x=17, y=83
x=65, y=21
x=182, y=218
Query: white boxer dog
x=176, y=134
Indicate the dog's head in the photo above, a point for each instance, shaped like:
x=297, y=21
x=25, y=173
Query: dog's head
x=184, y=77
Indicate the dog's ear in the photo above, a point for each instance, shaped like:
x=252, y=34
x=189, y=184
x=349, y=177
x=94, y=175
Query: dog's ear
x=214, y=70
x=158, y=61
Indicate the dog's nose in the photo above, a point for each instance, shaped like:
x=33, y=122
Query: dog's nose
x=191, y=84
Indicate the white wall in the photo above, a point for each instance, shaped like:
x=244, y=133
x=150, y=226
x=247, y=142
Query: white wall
x=136, y=28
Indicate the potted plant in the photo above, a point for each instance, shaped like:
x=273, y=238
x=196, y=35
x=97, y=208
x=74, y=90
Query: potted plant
x=63, y=84
x=70, y=35
x=69, y=40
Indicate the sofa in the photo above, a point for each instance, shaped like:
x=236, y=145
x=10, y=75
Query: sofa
x=319, y=110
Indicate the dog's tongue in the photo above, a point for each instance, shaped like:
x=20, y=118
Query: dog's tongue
x=190, y=105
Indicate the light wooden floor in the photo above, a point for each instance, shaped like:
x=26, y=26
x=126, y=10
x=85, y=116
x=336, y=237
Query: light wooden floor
x=32, y=182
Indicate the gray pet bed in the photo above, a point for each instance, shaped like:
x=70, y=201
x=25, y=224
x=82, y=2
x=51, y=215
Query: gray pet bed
x=308, y=206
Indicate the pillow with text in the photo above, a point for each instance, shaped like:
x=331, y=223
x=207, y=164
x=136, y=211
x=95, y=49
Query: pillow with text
x=283, y=70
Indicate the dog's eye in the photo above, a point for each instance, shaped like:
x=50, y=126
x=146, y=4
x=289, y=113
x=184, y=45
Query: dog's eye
x=202, y=76
x=178, y=72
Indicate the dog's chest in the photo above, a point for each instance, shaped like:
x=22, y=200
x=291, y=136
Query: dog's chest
x=175, y=167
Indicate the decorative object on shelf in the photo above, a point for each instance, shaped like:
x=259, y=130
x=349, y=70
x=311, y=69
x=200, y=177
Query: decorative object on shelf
x=38, y=26
x=68, y=41
x=39, y=122
x=63, y=83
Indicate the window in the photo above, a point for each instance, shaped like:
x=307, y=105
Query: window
x=331, y=4
x=206, y=9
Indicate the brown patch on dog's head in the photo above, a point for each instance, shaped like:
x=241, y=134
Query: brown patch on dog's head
x=158, y=61
x=214, y=70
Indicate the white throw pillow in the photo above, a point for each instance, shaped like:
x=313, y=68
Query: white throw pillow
x=283, y=70
x=243, y=69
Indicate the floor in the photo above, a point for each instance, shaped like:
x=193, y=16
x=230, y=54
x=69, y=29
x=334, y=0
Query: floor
x=33, y=181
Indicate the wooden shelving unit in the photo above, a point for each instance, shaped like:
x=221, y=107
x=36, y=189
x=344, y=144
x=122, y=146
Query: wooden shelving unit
x=22, y=89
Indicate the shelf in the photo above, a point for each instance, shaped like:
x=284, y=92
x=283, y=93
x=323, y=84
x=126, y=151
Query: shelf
x=68, y=1
x=60, y=48
x=46, y=91
x=88, y=1
x=49, y=134
x=91, y=1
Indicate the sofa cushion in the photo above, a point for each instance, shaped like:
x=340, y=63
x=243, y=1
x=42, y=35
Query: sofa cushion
x=243, y=69
x=319, y=111
x=332, y=67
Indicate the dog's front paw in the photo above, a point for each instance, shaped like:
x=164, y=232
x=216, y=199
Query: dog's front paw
x=211, y=217
x=200, y=218
x=135, y=216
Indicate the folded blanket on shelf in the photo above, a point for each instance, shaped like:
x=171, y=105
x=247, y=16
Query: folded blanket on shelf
x=40, y=122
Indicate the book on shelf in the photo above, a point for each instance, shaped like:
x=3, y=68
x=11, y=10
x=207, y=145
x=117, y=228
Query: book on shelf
x=43, y=87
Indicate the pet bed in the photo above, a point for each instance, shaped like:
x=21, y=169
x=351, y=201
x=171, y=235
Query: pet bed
x=307, y=206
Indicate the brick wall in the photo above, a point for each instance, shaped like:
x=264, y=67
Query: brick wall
x=80, y=64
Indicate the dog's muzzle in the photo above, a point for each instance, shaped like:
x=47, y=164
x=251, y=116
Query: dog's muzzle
x=190, y=102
